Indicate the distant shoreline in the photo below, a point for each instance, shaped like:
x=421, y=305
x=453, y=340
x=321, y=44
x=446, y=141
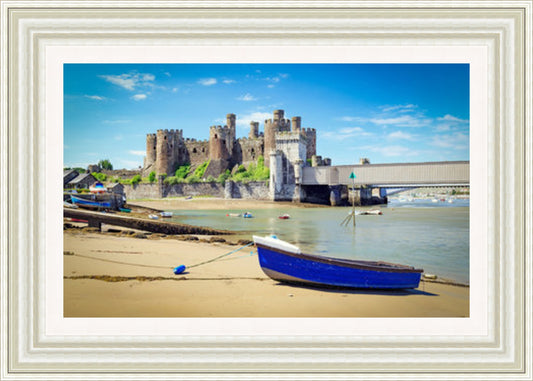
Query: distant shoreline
x=202, y=203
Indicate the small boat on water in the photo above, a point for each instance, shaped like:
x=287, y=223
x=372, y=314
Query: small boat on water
x=373, y=212
x=247, y=215
x=284, y=216
x=153, y=216
x=125, y=210
x=233, y=215
x=166, y=214
x=285, y=262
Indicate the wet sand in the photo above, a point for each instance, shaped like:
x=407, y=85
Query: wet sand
x=109, y=275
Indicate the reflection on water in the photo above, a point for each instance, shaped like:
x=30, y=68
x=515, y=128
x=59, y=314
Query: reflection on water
x=433, y=236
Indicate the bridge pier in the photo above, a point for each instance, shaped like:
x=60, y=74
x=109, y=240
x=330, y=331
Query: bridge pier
x=335, y=196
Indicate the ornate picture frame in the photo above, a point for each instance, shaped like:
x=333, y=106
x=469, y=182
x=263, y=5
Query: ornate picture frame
x=495, y=342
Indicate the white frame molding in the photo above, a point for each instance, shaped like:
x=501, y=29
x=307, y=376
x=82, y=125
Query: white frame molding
x=32, y=29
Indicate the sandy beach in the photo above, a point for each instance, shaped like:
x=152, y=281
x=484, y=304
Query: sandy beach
x=113, y=274
x=217, y=203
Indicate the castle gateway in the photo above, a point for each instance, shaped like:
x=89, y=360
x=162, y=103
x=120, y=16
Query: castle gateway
x=284, y=144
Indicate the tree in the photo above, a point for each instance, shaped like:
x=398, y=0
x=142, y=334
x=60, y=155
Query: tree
x=105, y=164
x=151, y=177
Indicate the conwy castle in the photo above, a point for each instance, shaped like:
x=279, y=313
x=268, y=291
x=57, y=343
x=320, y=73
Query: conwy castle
x=284, y=144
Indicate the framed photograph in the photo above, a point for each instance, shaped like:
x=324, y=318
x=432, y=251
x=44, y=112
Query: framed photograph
x=49, y=52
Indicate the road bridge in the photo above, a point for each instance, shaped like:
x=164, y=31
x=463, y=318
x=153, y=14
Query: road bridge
x=331, y=184
x=395, y=175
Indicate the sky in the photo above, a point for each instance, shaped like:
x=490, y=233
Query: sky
x=388, y=113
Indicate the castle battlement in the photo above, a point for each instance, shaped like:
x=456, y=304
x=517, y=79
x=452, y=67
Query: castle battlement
x=167, y=148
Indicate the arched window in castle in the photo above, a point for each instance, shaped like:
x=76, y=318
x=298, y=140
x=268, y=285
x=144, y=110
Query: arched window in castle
x=252, y=151
x=216, y=137
x=194, y=150
x=203, y=149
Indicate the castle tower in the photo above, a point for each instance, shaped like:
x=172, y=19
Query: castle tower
x=230, y=122
x=218, y=149
x=151, y=150
x=278, y=115
x=271, y=127
x=310, y=134
x=167, y=143
x=254, y=130
x=162, y=148
x=296, y=123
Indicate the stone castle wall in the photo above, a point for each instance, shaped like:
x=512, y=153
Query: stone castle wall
x=195, y=153
x=247, y=151
x=252, y=190
x=166, y=150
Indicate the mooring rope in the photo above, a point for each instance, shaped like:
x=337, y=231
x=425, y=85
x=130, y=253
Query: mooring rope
x=221, y=256
x=163, y=267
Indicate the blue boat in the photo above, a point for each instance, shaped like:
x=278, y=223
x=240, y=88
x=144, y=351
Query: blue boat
x=91, y=201
x=285, y=262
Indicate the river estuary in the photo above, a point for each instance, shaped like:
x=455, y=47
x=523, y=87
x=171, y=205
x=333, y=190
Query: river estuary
x=421, y=233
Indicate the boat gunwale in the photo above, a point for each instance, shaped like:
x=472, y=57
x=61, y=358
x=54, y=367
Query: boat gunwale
x=377, y=266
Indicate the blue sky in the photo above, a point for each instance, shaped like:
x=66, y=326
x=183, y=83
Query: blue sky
x=388, y=113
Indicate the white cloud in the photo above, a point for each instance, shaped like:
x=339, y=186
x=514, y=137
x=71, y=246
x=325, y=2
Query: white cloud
x=130, y=81
x=352, y=119
x=243, y=121
x=228, y=81
x=137, y=153
x=270, y=86
x=345, y=133
x=402, y=121
x=400, y=135
x=456, y=141
x=119, y=137
x=247, y=97
x=443, y=128
x=139, y=97
x=399, y=108
x=96, y=97
x=451, y=118
x=207, y=81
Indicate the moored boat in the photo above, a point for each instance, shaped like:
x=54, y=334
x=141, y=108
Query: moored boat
x=233, y=215
x=125, y=210
x=91, y=201
x=284, y=216
x=97, y=188
x=247, y=215
x=166, y=214
x=153, y=216
x=285, y=262
x=373, y=212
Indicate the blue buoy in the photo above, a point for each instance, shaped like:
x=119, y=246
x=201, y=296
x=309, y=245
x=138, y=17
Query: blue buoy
x=179, y=269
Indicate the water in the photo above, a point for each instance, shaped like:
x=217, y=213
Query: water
x=420, y=233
